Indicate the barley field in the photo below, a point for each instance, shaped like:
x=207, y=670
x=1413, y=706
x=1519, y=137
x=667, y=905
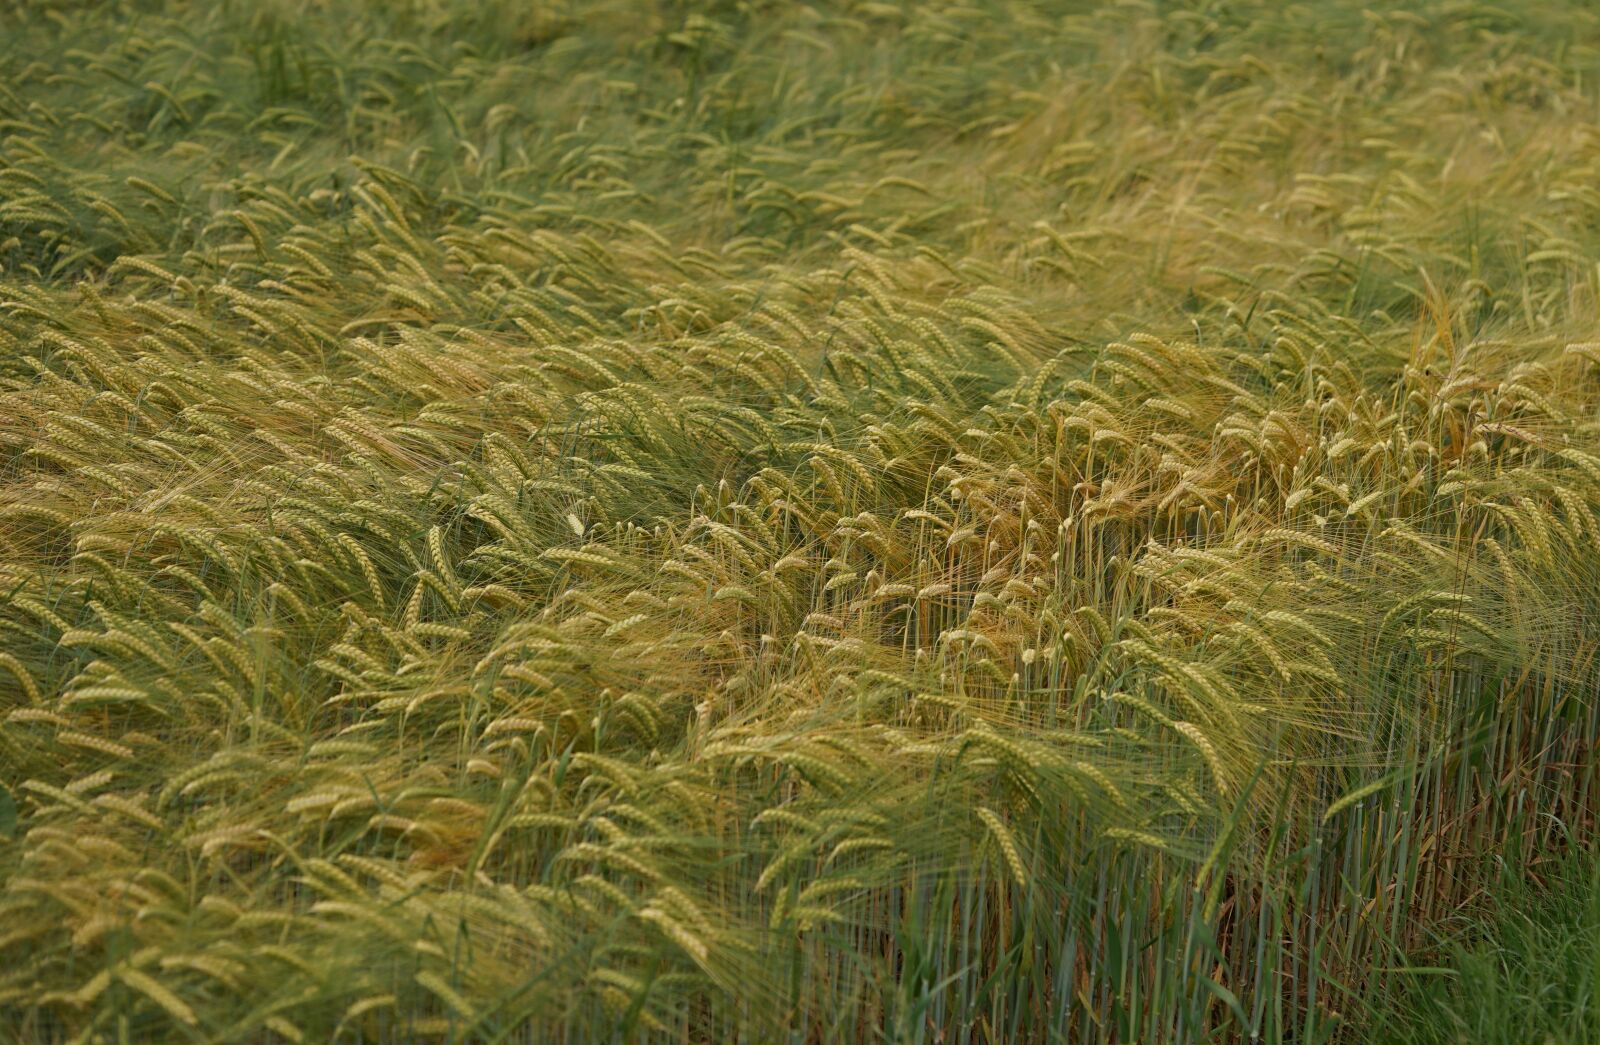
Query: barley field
x=738, y=520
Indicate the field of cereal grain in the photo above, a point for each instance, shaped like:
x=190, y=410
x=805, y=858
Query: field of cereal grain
x=938, y=521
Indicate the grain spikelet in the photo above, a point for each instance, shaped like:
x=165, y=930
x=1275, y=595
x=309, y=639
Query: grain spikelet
x=1007, y=846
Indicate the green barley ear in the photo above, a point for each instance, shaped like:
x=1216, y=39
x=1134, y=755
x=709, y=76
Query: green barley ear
x=1007, y=845
x=1350, y=798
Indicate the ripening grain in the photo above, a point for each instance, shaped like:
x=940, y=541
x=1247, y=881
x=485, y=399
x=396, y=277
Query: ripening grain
x=925, y=521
